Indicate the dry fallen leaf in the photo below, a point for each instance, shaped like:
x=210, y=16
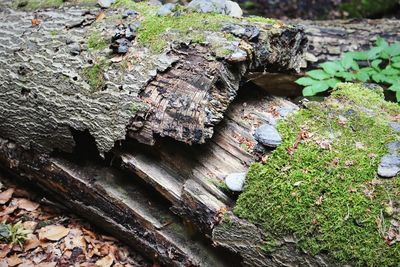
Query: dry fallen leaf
x=53, y=232
x=10, y=209
x=47, y=264
x=100, y=16
x=107, y=261
x=27, y=205
x=32, y=242
x=29, y=225
x=4, y=250
x=26, y=263
x=13, y=260
x=35, y=22
x=5, y=196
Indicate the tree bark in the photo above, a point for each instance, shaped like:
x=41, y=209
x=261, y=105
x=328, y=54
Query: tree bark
x=54, y=78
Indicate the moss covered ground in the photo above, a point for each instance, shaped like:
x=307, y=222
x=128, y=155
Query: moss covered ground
x=321, y=183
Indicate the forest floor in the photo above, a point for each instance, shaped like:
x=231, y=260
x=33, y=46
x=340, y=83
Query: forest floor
x=49, y=236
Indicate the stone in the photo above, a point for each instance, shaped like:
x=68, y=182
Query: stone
x=394, y=147
x=233, y=9
x=259, y=148
x=389, y=166
x=249, y=32
x=74, y=49
x=128, y=13
x=286, y=111
x=105, y=3
x=235, y=181
x=225, y=7
x=268, y=136
x=123, y=46
x=166, y=9
x=395, y=126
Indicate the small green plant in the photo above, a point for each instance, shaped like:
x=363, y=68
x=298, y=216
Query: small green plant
x=96, y=41
x=13, y=234
x=94, y=75
x=381, y=65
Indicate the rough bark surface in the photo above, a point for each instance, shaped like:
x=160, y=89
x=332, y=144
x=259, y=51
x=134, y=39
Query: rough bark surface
x=180, y=94
x=249, y=241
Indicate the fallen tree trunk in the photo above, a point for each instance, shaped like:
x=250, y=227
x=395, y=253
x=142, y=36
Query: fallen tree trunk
x=58, y=73
x=328, y=40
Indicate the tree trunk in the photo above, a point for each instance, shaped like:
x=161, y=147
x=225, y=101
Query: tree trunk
x=65, y=99
x=59, y=75
x=328, y=40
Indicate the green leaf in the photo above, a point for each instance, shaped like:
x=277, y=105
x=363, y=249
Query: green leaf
x=375, y=64
x=390, y=79
x=355, y=65
x=4, y=231
x=398, y=96
x=331, y=67
x=378, y=77
x=396, y=59
x=347, y=60
x=318, y=74
x=362, y=76
x=332, y=82
x=373, y=52
x=316, y=88
x=381, y=42
x=394, y=50
x=346, y=75
x=371, y=71
x=305, y=81
x=308, y=91
x=389, y=70
x=395, y=87
x=359, y=55
x=396, y=65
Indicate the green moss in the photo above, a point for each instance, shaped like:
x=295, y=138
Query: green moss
x=96, y=41
x=326, y=191
x=257, y=19
x=42, y=4
x=94, y=75
x=367, y=8
x=154, y=30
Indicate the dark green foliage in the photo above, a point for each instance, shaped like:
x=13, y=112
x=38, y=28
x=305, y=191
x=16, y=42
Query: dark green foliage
x=367, y=8
x=13, y=234
x=382, y=66
x=325, y=190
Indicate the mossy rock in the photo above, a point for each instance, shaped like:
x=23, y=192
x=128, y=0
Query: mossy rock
x=321, y=185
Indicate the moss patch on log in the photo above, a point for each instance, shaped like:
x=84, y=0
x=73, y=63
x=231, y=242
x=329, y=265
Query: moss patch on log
x=154, y=29
x=321, y=183
x=42, y=4
x=94, y=75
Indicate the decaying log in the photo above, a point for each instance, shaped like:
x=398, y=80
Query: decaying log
x=188, y=180
x=328, y=40
x=54, y=79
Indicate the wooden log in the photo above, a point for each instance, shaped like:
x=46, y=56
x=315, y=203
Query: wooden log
x=189, y=180
x=111, y=199
x=328, y=40
x=64, y=69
